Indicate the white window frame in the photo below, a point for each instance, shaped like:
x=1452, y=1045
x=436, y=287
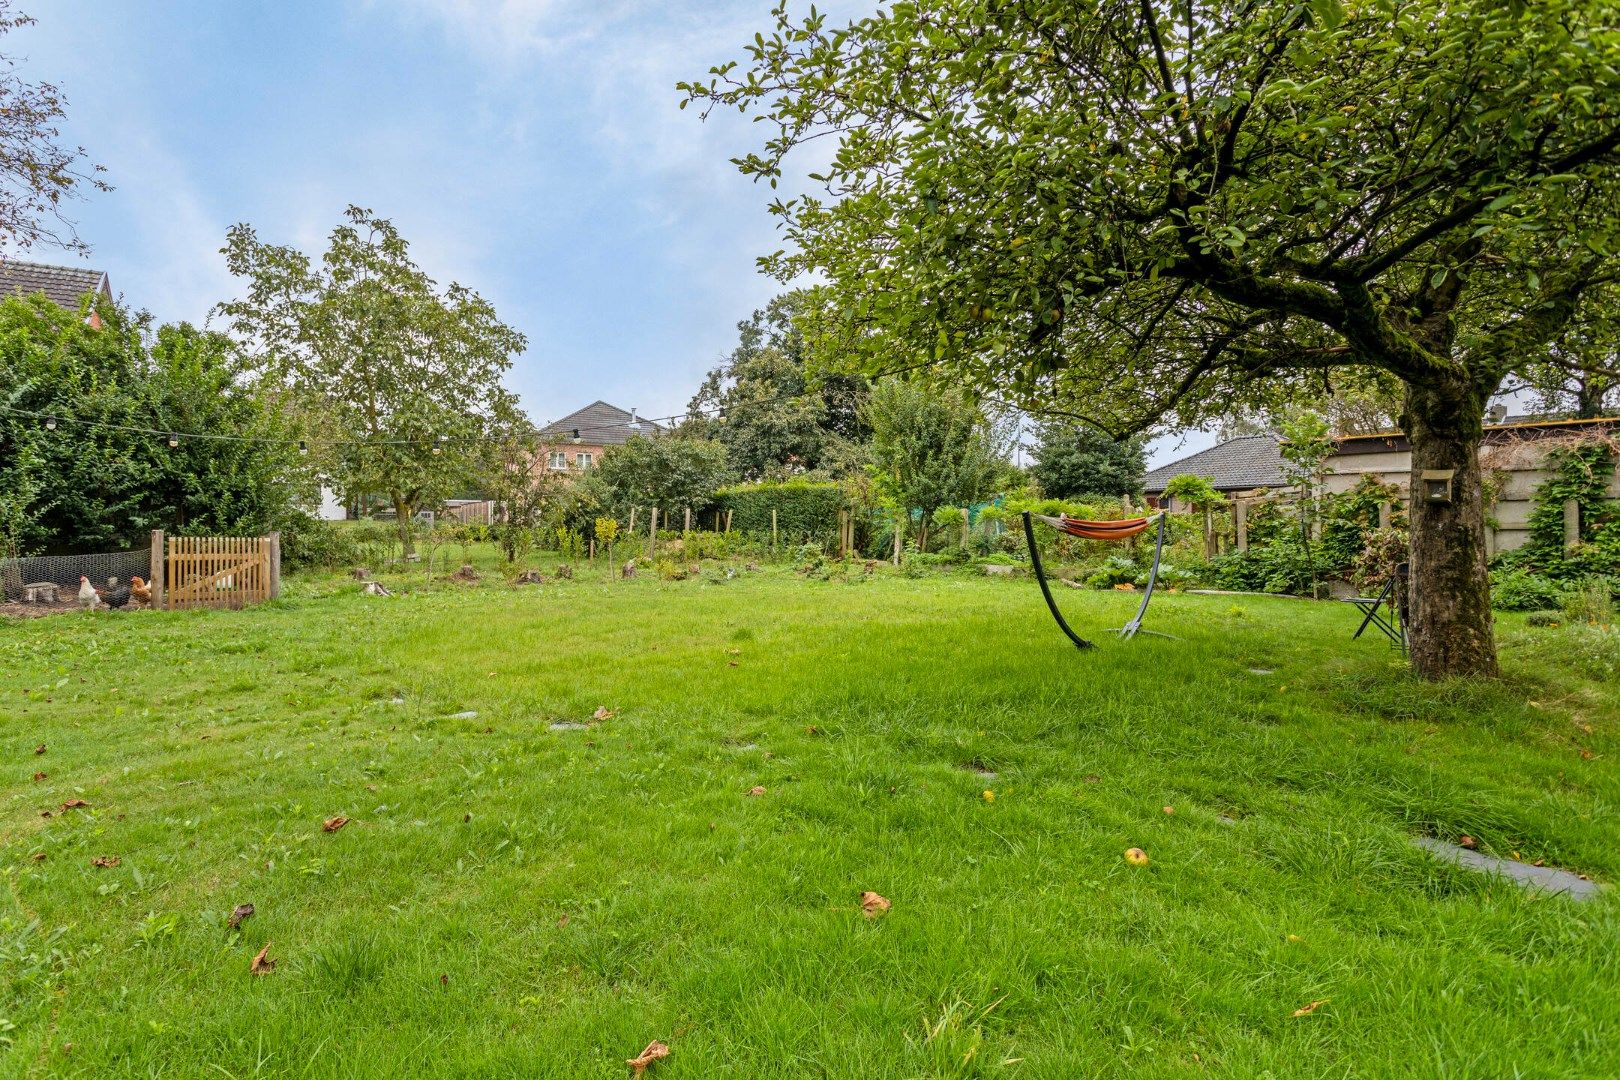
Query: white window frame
x=584, y=459
x=558, y=461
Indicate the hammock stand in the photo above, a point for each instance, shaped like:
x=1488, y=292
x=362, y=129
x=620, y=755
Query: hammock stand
x=1097, y=530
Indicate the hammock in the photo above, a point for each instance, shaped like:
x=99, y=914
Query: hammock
x=1097, y=530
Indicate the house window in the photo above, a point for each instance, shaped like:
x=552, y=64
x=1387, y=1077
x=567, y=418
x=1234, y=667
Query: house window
x=584, y=460
x=559, y=459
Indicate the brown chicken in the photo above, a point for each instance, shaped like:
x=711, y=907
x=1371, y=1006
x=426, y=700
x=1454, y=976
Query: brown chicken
x=139, y=589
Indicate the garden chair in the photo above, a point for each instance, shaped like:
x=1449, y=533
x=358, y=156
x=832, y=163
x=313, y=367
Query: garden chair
x=1372, y=608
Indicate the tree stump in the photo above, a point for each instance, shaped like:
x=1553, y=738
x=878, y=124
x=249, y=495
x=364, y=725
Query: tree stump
x=629, y=570
x=565, y=572
x=375, y=588
x=360, y=573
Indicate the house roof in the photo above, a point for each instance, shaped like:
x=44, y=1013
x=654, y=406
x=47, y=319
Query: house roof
x=62, y=285
x=599, y=424
x=1250, y=461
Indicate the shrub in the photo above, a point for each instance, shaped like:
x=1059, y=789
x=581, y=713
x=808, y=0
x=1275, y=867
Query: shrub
x=1514, y=589
x=805, y=509
x=308, y=542
x=1590, y=603
x=1117, y=570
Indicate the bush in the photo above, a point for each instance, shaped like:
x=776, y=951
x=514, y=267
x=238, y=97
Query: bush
x=1283, y=566
x=1590, y=603
x=1514, y=589
x=804, y=509
x=1117, y=570
x=307, y=542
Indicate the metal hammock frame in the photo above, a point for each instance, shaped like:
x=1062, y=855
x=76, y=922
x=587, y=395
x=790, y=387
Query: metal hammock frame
x=1098, y=530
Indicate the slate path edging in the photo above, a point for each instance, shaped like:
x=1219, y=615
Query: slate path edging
x=1546, y=879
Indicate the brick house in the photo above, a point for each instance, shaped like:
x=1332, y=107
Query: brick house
x=578, y=440
x=64, y=286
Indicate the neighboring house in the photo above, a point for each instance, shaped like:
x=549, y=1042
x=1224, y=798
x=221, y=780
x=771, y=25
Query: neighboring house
x=1235, y=466
x=1514, y=449
x=577, y=441
x=64, y=286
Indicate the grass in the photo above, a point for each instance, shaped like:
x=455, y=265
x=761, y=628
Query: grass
x=508, y=900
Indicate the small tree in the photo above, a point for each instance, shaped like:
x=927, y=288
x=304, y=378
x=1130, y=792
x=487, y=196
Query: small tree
x=930, y=449
x=1305, y=447
x=409, y=374
x=607, y=531
x=1200, y=494
x=668, y=473
x=1074, y=459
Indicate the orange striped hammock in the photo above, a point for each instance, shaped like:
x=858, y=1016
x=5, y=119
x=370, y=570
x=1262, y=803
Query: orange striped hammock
x=1097, y=530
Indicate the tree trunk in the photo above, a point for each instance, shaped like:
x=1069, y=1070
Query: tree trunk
x=1449, y=621
x=402, y=522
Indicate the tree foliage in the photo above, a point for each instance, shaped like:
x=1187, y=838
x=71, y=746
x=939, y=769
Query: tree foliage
x=777, y=418
x=930, y=448
x=1130, y=211
x=405, y=376
x=106, y=476
x=670, y=473
x=39, y=173
x=1073, y=459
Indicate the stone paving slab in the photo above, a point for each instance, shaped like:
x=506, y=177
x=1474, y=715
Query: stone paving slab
x=1547, y=879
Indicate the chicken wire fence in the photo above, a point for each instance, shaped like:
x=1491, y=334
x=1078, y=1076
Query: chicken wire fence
x=63, y=571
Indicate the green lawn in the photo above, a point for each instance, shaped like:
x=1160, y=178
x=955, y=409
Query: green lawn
x=513, y=901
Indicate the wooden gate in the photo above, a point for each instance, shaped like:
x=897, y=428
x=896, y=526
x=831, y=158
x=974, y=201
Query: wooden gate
x=221, y=571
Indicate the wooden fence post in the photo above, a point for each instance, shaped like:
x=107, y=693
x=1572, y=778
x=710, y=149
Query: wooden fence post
x=275, y=565
x=593, y=549
x=652, y=534
x=773, y=528
x=1572, y=524
x=158, y=571
x=632, y=529
x=688, y=527
x=1240, y=524
x=1386, y=514
x=728, y=521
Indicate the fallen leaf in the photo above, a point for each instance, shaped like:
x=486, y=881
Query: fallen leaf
x=812, y=730
x=733, y=652
x=756, y=790
x=602, y=713
x=873, y=905
x=466, y=817
x=562, y=922
x=731, y=663
x=243, y=911
x=1136, y=856
x=262, y=964
x=1306, y=1010
x=1467, y=841
x=1294, y=939
x=1092, y=779
x=655, y=1050
x=39, y=856
x=1170, y=810
x=334, y=824
x=988, y=796
x=371, y=787
x=40, y=749
x=105, y=860
x=39, y=776
x=1586, y=755
x=75, y=804
x=444, y=980
x=1539, y=862
x=44, y=813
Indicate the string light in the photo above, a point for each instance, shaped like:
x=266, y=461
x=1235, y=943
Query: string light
x=303, y=447
x=174, y=440
x=438, y=444
x=575, y=435
x=50, y=423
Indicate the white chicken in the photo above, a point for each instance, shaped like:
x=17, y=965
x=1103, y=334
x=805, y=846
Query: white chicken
x=87, y=594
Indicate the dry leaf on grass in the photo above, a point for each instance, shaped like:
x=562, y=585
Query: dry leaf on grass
x=39, y=856
x=1169, y=810
x=75, y=804
x=243, y=911
x=731, y=663
x=334, y=824
x=262, y=964
x=654, y=1051
x=873, y=905
x=1306, y=1010
x=444, y=980
x=602, y=713
x=105, y=860
x=562, y=922
x=756, y=790
x=1468, y=842
x=40, y=749
x=39, y=776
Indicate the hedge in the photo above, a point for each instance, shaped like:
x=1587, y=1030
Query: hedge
x=804, y=508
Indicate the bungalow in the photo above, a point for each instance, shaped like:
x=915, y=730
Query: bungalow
x=1515, y=449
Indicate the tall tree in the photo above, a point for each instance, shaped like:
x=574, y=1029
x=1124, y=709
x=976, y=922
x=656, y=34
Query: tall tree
x=39, y=174
x=407, y=374
x=1073, y=459
x=776, y=418
x=1131, y=210
x=929, y=448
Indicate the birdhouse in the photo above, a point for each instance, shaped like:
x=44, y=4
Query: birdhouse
x=1437, y=485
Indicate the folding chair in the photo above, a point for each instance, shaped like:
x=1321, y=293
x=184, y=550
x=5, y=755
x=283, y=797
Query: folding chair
x=1394, y=594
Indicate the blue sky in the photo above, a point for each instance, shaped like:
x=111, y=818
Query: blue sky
x=530, y=149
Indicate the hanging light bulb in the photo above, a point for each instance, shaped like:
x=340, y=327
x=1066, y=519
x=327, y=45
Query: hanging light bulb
x=50, y=423
x=303, y=447
x=438, y=443
x=575, y=435
x=722, y=412
x=174, y=440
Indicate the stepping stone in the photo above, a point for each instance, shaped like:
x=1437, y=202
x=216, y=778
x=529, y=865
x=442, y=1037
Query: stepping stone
x=1546, y=879
x=568, y=725
x=1261, y=671
x=470, y=714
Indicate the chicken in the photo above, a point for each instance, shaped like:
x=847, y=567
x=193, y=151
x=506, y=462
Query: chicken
x=117, y=598
x=140, y=589
x=87, y=594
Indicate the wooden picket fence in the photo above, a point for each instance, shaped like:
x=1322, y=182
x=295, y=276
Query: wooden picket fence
x=217, y=571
